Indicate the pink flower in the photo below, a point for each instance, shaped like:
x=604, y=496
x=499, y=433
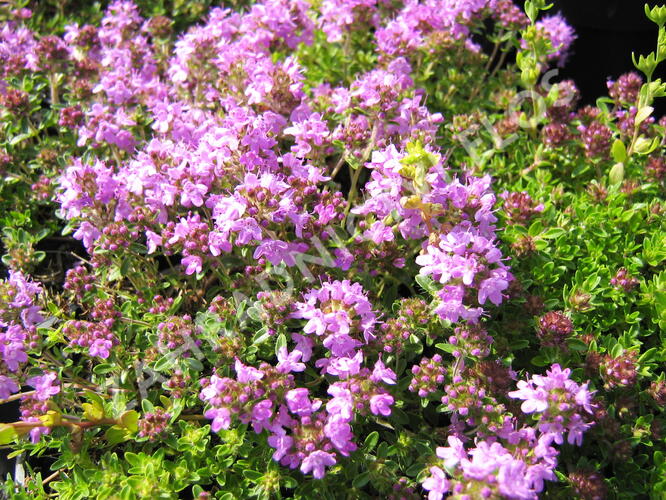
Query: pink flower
x=380, y=404
x=193, y=264
x=277, y=251
x=100, y=348
x=454, y=453
x=281, y=443
x=342, y=403
x=192, y=194
x=247, y=373
x=45, y=385
x=437, y=484
x=298, y=402
x=534, y=400
x=345, y=367
x=339, y=432
x=288, y=361
x=316, y=462
x=261, y=413
x=381, y=372
x=221, y=418
x=379, y=233
x=8, y=386
x=304, y=345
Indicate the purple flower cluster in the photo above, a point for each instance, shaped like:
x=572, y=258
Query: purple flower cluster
x=516, y=470
x=456, y=220
x=625, y=89
x=419, y=25
x=472, y=404
x=558, y=403
x=97, y=337
x=393, y=335
x=460, y=260
x=153, y=424
x=471, y=340
x=381, y=107
x=340, y=16
x=35, y=405
x=560, y=34
x=596, y=139
x=623, y=280
x=514, y=463
x=304, y=431
x=17, y=49
x=553, y=329
x=621, y=370
x=19, y=316
x=429, y=374
x=520, y=207
x=340, y=314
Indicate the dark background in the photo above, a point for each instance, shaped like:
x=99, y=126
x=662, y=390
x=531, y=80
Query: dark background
x=608, y=31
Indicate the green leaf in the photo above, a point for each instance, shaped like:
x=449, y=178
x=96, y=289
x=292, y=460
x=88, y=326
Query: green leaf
x=531, y=10
x=280, y=343
x=165, y=362
x=519, y=344
x=103, y=368
x=539, y=360
x=361, y=480
x=133, y=459
x=254, y=313
x=651, y=355
x=371, y=441
x=616, y=174
x=450, y=348
x=129, y=420
x=619, y=151
x=414, y=470
x=553, y=232
x=577, y=345
x=7, y=434
x=641, y=116
x=116, y=434
x=194, y=364
x=427, y=283
x=93, y=411
x=535, y=229
x=147, y=406
x=253, y=475
x=261, y=336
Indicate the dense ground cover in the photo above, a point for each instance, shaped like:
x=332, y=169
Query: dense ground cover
x=336, y=249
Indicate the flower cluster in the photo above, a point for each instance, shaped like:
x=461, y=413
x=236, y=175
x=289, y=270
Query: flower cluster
x=285, y=222
x=560, y=35
x=492, y=470
x=520, y=207
x=623, y=280
x=303, y=431
x=553, y=329
x=514, y=463
x=19, y=316
x=428, y=376
x=558, y=403
x=340, y=314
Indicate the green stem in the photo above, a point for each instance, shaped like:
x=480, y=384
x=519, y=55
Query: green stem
x=355, y=174
x=53, y=88
x=500, y=63
x=492, y=55
x=14, y=397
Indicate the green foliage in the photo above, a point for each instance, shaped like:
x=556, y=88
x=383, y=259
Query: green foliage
x=602, y=213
